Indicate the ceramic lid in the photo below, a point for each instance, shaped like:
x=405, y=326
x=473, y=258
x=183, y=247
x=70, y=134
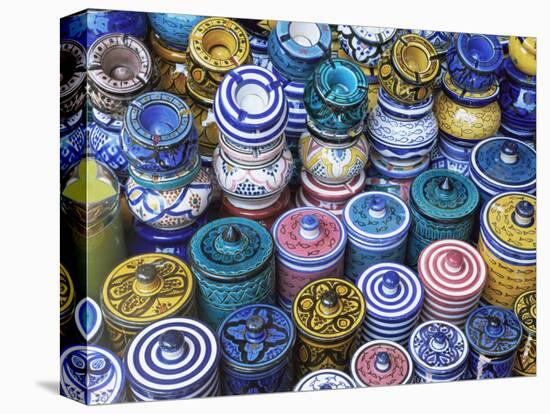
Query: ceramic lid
x=91, y=374
x=444, y=195
x=297, y=39
x=66, y=291
x=88, y=319
x=525, y=307
x=256, y=337
x=376, y=216
x=452, y=270
x=231, y=249
x=381, y=363
x=482, y=53
x=332, y=192
x=392, y=292
x=374, y=35
x=146, y=288
x=325, y=379
x=438, y=346
x=493, y=331
x=309, y=235
x=171, y=356
x=328, y=309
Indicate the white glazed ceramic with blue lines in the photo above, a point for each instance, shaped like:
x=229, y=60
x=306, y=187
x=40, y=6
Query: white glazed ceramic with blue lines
x=325, y=379
x=73, y=141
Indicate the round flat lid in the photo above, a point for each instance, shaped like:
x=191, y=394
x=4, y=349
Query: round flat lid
x=256, y=337
x=147, y=288
x=231, y=249
x=304, y=41
x=309, y=235
x=392, y=292
x=332, y=192
x=452, y=270
x=374, y=35
x=482, y=53
x=381, y=362
x=325, y=379
x=328, y=309
x=66, y=290
x=172, y=355
x=525, y=308
x=493, y=331
x=88, y=319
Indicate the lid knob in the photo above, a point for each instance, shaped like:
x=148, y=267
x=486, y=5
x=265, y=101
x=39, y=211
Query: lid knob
x=446, y=185
x=172, y=344
x=255, y=328
x=309, y=227
x=509, y=152
x=325, y=386
x=382, y=361
x=146, y=273
x=390, y=282
x=524, y=213
x=377, y=207
x=231, y=234
x=494, y=326
x=439, y=342
x=454, y=261
x=329, y=302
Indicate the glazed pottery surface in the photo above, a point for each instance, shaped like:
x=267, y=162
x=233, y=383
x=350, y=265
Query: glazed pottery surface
x=72, y=141
x=104, y=135
x=325, y=379
x=72, y=68
x=172, y=66
x=89, y=321
x=523, y=52
x=525, y=308
x=365, y=45
x=173, y=29
x=66, y=300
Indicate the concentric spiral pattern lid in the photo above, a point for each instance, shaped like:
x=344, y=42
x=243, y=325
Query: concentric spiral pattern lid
x=91, y=375
x=493, y=331
x=452, y=269
x=328, y=309
x=392, y=291
x=381, y=363
x=173, y=356
x=256, y=337
x=525, y=308
x=88, y=319
x=66, y=291
x=325, y=379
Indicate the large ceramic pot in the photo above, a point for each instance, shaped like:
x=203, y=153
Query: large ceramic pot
x=172, y=65
x=72, y=141
x=365, y=45
x=173, y=29
x=523, y=53
x=525, y=308
x=72, y=75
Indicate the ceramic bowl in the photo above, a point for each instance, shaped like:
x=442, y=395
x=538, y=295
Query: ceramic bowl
x=523, y=52
x=104, y=136
x=173, y=29
x=72, y=77
x=365, y=45
x=73, y=141
x=172, y=66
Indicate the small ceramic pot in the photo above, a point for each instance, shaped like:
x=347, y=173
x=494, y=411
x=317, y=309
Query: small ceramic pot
x=325, y=379
x=66, y=301
x=310, y=245
x=184, y=347
x=256, y=343
x=447, y=155
x=523, y=52
x=525, y=308
x=172, y=66
x=173, y=29
x=72, y=144
x=233, y=264
x=89, y=321
x=72, y=78
x=408, y=69
x=473, y=61
x=508, y=246
x=365, y=45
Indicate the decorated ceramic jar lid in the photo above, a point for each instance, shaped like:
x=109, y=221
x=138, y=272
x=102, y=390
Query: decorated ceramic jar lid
x=325, y=379
x=250, y=106
x=231, y=249
x=470, y=98
x=309, y=235
x=88, y=320
x=172, y=358
x=393, y=292
x=256, y=337
x=91, y=375
x=444, y=195
x=66, y=292
x=381, y=362
x=306, y=41
x=332, y=192
x=328, y=309
x=146, y=288
x=493, y=331
x=525, y=308
x=438, y=346
x=452, y=269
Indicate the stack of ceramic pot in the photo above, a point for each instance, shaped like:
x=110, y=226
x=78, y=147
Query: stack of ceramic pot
x=252, y=163
x=441, y=41
x=258, y=35
x=525, y=308
x=467, y=111
x=453, y=274
x=325, y=379
x=184, y=348
x=394, y=297
x=518, y=95
x=310, y=245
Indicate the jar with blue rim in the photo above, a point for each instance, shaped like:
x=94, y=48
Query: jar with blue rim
x=72, y=73
x=525, y=308
x=377, y=224
x=394, y=296
x=439, y=351
x=173, y=29
x=66, y=301
x=310, y=244
x=92, y=375
x=258, y=35
x=233, y=264
x=89, y=322
x=447, y=155
x=256, y=345
x=325, y=379
x=174, y=358
x=501, y=164
x=72, y=141
x=443, y=205
x=493, y=334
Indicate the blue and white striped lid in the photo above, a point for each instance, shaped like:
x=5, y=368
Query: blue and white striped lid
x=392, y=292
x=88, y=320
x=325, y=379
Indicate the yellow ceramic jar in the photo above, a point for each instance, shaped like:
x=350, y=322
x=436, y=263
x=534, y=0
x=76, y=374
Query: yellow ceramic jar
x=525, y=308
x=66, y=300
x=171, y=65
x=523, y=52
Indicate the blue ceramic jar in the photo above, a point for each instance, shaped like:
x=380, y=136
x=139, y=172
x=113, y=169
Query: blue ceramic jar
x=173, y=29
x=73, y=141
x=494, y=334
x=447, y=155
x=377, y=224
x=325, y=379
x=172, y=359
x=233, y=263
x=256, y=343
x=89, y=321
x=258, y=34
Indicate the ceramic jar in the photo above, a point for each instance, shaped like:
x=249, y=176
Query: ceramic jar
x=72, y=141
x=184, y=348
x=142, y=290
x=453, y=274
x=233, y=265
x=256, y=344
x=173, y=29
x=380, y=363
x=394, y=297
x=443, y=206
x=310, y=245
x=507, y=243
x=325, y=379
x=494, y=334
x=523, y=52
x=328, y=314
x=447, y=155
x=439, y=351
x=525, y=308
x=92, y=375
x=503, y=164
x=377, y=225
x=172, y=65
x=120, y=68
x=89, y=321
x=365, y=45
x=66, y=301
x=72, y=77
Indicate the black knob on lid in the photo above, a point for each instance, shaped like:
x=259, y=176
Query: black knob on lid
x=146, y=273
x=524, y=213
x=171, y=341
x=329, y=299
x=509, y=148
x=231, y=234
x=446, y=185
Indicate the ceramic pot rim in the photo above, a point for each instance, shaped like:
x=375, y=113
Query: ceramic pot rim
x=291, y=47
x=415, y=77
x=253, y=156
x=336, y=373
x=173, y=181
x=471, y=60
x=106, y=121
x=470, y=98
x=517, y=77
x=335, y=193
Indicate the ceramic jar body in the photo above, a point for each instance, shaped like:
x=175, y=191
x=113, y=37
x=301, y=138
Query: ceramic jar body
x=445, y=155
x=105, y=143
x=277, y=379
x=525, y=308
x=73, y=142
x=482, y=367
